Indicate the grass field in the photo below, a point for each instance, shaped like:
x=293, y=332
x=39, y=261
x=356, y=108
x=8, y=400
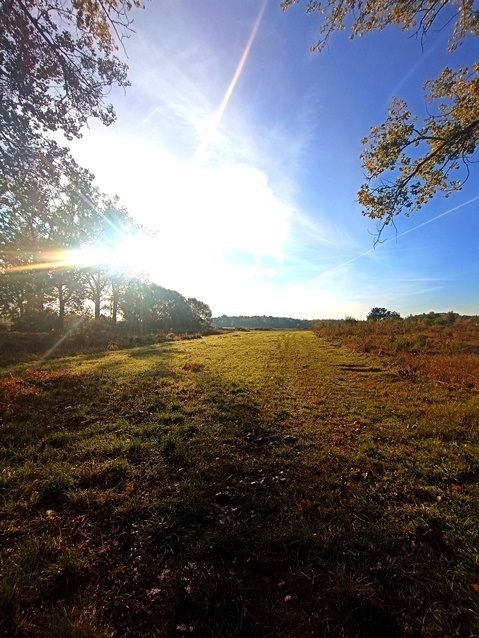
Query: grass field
x=248, y=484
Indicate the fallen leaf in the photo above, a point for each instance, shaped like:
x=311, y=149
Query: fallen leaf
x=456, y=488
x=304, y=504
x=432, y=534
x=475, y=587
x=223, y=498
x=129, y=488
x=185, y=628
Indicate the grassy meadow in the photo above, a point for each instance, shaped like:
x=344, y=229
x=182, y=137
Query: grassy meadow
x=256, y=484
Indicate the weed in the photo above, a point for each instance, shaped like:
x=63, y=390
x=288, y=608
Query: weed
x=447, y=353
x=137, y=450
x=56, y=486
x=175, y=449
x=8, y=603
x=64, y=624
x=60, y=440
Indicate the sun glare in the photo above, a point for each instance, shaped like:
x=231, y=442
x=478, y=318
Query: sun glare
x=133, y=254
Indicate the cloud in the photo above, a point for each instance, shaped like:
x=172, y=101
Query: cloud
x=180, y=82
x=239, y=196
x=230, y=229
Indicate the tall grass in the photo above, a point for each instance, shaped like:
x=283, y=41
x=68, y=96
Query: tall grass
x=446, y=351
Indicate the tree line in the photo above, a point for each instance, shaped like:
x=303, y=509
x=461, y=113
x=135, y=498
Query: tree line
x=41, y=284
x=58, y=62
x=261, y=322
x=53, y=301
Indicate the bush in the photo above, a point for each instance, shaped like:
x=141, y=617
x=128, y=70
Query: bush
x=37, y=321
x=380, y=314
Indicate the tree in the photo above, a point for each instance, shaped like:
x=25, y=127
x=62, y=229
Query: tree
x=113, y=224
x=67, y=291
x=117, y=280
x=201, y=310
x=41, y=217
x=380, y=314
x=15, y=290
x=147, y=306
x=132, y=302
x=96, y=285
x=407, y=161
x=168, y=310
x=57, y=64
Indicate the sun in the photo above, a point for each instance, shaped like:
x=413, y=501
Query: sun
x=132, y=255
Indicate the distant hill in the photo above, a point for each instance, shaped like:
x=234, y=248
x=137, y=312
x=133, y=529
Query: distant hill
x=263, y=322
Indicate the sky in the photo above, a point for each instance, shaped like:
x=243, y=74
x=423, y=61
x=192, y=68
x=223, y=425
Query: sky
x=240, y=148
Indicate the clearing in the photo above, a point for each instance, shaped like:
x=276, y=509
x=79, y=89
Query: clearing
x=261, y=484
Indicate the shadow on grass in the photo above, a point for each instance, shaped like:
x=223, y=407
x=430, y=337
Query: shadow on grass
x=157, y=350
x=198, y=513
x=40, y=403
x=236, y=550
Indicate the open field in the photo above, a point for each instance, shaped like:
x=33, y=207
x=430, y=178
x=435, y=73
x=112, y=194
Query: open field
x=248, y=484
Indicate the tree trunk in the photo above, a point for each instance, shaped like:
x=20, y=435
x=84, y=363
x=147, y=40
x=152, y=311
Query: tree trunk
x=97, y=306
x=61, y=307
x=114, y=309
x=96, y=290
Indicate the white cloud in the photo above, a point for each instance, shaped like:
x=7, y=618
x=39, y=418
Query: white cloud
x=240, y=201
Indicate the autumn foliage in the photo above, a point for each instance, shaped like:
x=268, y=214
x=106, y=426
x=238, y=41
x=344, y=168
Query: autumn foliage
x=409, y=158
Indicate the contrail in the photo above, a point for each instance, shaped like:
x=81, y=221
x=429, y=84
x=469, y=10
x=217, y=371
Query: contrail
x=405, y=232
x=216, y=119
x=433, y=219
x=415, y=67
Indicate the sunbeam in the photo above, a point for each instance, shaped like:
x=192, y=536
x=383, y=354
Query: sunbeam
x=216, y=118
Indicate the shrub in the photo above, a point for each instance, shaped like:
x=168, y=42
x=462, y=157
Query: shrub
x=37, y=321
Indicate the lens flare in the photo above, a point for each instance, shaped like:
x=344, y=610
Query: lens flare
x=131, y=254
x=216, y=119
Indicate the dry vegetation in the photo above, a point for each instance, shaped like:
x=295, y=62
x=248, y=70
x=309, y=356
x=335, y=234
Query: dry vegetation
x=249, y=485
x=445, y=351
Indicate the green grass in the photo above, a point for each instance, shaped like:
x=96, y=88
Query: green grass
x=248, y=484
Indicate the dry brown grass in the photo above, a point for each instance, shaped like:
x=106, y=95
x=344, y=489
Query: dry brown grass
x=22, y=391
x=446, y=352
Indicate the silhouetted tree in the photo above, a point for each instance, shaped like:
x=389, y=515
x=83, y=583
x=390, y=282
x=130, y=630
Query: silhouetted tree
x=200, y=309
x=58, y=62
x=379, y=314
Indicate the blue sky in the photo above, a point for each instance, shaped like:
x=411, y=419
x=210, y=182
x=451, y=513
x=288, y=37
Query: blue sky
x=249, y=172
